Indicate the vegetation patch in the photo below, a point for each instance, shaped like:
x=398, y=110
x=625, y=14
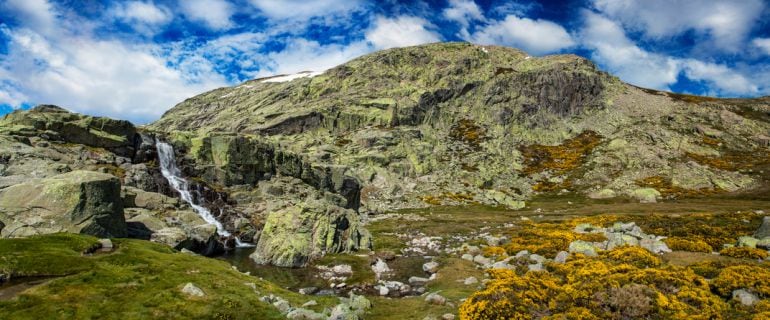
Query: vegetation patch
x=744, y=253
x=666, y=188
x=469, y=133
x=684, y=244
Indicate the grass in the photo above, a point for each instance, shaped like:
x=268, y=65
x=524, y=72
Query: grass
x=139, y=280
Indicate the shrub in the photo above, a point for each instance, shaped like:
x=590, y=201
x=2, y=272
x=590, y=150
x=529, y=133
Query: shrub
x=683, y=244
x=636, y=256
x=494, y=251
x=753, y=278
x=744, y=253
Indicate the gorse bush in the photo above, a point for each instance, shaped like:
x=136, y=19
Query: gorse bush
x=636, y=256
x=682, y=244
x=744, y=253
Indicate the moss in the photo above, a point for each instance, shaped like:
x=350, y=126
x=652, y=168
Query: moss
x=666, y=188
x=139, y=280
x=466, y=131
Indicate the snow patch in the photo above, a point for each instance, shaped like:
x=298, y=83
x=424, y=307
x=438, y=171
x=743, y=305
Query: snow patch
x=290, y=77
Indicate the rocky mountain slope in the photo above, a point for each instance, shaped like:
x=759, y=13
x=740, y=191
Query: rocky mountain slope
x=296, y=164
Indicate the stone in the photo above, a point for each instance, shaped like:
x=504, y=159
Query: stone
x=310, y=303
x=435, y=298
x=448, y=316
x=304, y=314
x=602, y=194
x=535, y=267
x=764, y=229
x=482, y=260
x=383, y=290
x=282, y=305
x=191, y=290
x=308, y=290
x=467, y=256
x=646, y=195
x=380, y=268
x=618, y=239
x=522, y=253
x=746, y=241
x=470, y=281
x=418, y=281
x=342, y=269
x=585, y=228
x=561, y=257
x=291, y=236
x=764, y=243
x=430, y=267
x=85, y=202
x=583, y=247
x=537, y=258
x=745, y=297
x=106, y=244
x=654, y=245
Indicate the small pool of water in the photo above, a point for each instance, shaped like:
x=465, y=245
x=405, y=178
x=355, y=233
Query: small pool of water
x=289, y=278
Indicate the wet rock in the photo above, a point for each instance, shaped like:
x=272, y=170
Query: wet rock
x=308, y=290
x=191, y=290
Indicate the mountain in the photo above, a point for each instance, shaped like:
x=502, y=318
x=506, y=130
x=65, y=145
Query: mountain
x=472, y=141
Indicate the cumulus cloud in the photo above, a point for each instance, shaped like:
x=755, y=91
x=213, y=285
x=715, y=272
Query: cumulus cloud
x=762, y=44
x=463, y=12
x=615, y=51
x=35, y=14
x=400, y=31
x=534, y=36
x=307, y=55
x=215, y=14
x=145, y=17
x=726, y=22
x=300, y=9
x=74, y=69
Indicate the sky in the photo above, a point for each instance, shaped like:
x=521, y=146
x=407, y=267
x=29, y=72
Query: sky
x=136, y=59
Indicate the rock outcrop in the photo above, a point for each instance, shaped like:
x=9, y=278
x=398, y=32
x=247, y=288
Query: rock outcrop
x=80, y=202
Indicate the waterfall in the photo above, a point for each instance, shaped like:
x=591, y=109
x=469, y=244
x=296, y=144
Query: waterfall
x=174, y=176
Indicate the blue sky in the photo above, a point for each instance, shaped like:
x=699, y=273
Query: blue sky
x=136, y=59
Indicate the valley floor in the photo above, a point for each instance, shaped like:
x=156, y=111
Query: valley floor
x=428, y=263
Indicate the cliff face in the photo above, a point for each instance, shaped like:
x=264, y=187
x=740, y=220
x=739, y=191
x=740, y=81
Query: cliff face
x=458, y=123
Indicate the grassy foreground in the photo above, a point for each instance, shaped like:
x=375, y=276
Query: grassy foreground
x=139, y=280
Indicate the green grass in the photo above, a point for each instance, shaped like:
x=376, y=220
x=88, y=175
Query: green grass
x=139, y=280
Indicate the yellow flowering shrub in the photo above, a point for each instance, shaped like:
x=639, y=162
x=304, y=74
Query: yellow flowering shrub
x=636, y=256
x=682, y=244
x=494, y=251
x=546, y=239
x=752, y=278
x=744, y=253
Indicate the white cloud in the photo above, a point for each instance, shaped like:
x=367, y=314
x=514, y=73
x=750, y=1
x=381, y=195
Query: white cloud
x=463, y=12
x=73, y=69
x=534, y=36
x=307, y=55
x=35, y=14
x=402, y=31
x=215, y=14
x=142, y=12
x=301, y=9
x=724, y=79
x=612, y=49
x=623, y=58
x=762, y=44
x=727, y=22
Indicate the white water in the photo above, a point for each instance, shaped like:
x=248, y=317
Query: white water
x=174, y=176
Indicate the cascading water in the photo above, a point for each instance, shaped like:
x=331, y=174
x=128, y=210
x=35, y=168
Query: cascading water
x=174, y=176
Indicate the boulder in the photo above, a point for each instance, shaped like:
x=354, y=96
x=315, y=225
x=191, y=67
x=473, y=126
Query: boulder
x=430, y=267
x=294, y=235
x=584, y=247
x=764, y=229
x=85, y=202
x=746, y=241
x=561, y=257
x=192, y=290
x=646, y=195
x=59, y=124
x=304, y=314
x=654, y=245
x=435, y=298
x=745, y=297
